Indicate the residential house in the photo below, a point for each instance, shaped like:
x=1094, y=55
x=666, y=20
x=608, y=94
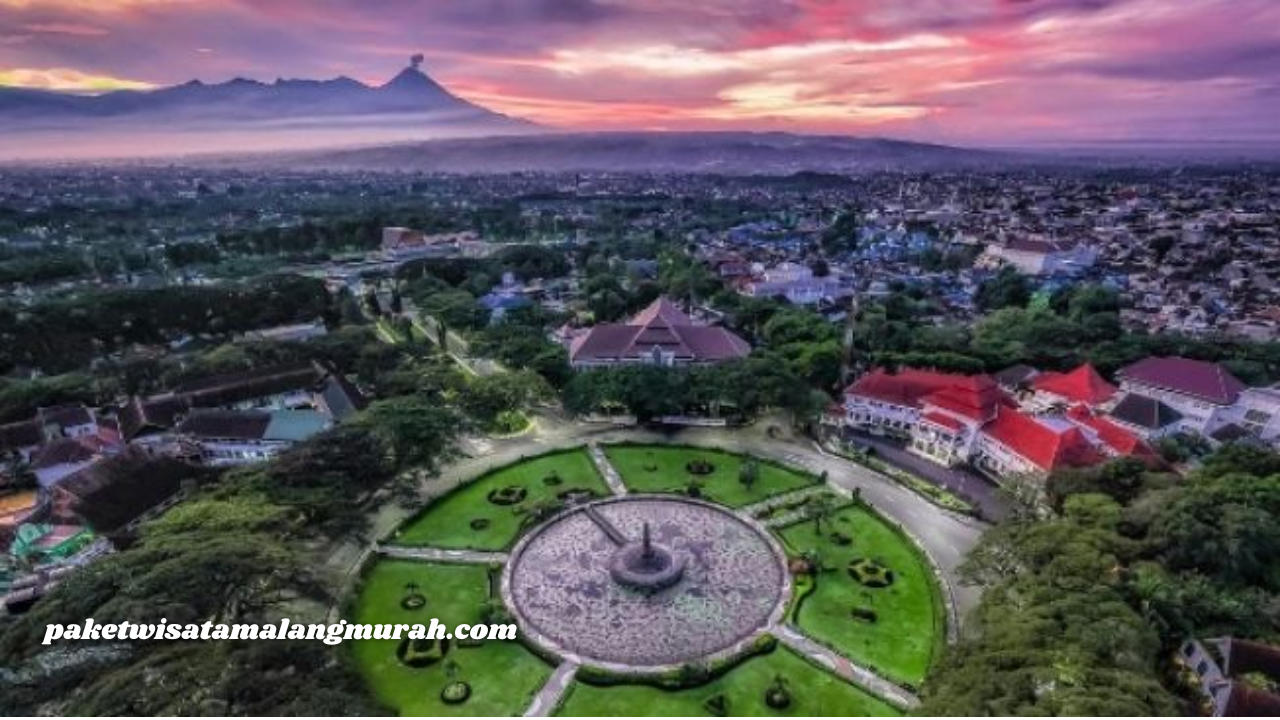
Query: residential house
x=1041, y=256
x=1238, y=678
x=797, y=284
x=238, y=437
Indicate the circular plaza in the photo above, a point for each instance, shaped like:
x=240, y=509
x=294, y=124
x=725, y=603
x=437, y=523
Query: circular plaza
x=651, y=579
x=580, y=588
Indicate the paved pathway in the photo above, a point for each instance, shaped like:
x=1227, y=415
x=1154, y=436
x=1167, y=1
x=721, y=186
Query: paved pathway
x=433, y=554
x=548, y=698
x=946, y=537
x=842, y=666
x=610, y=474
x=786, y=498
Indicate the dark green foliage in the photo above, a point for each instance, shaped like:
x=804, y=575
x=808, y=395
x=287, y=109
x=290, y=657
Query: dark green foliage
x=1008, y=288
x=192, y=253
x=67, y=333
x=322, y=480
x=1080, y=610
x=418, y=429
x=41, y=268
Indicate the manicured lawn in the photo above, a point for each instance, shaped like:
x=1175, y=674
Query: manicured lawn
x=502, y=674
x=910, y=624
x=447, y=521
x=661, y=469
x=813, y=691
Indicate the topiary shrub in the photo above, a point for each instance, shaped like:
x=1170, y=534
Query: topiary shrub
x=422, y=652
x=870, y=573
x=553, y=479
x=455, y=693
x=778, y=695
x=717, y=705
x=480, y=523
x=841, y=539
x=866, y=615
x=413, y=601
x=576, y=495
x=509, y=495
x=699, y=466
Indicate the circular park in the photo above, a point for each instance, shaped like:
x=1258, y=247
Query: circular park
x=656, y=580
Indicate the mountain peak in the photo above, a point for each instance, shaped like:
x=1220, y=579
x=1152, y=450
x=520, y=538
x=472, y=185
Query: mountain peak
x=412, y=78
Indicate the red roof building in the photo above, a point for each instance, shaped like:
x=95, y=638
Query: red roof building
x=1080, y=386
x=1114, y=439
x=1045, y=443
x=953, y=419
x=1201, y=380
x=909, y=387
x=661, y=334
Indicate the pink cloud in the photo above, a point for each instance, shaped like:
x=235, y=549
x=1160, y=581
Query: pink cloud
x=978, y=71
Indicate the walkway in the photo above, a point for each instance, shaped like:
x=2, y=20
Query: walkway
x=787, y=498
x=610, y=474
x=548, y=698
x=946, y=537
x=840, y=665
x=433, y=554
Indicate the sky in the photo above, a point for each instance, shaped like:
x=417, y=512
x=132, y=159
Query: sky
x=977, y=72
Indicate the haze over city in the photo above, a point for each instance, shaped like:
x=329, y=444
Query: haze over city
x=1007, y=72
x=640, y=358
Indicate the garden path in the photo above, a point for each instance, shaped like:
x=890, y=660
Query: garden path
x=432, y=554
x=610, y=474
x=548, y=698
x=842, y=666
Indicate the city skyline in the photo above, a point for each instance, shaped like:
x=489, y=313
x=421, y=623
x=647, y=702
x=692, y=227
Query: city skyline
x=992, y=73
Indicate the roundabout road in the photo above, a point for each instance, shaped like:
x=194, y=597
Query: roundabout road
x=946, y=537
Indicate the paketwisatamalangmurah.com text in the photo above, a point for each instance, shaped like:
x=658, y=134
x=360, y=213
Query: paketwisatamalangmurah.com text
x=328, y=633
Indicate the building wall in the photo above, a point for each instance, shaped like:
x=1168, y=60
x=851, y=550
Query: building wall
x=1200, y=416
x=239, y=452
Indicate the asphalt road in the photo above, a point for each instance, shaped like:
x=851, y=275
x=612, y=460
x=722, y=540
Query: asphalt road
x=946, y=537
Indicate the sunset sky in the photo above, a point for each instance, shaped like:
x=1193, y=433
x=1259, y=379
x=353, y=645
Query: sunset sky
x=967, y=71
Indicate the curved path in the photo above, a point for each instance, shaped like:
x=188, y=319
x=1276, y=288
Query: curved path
x=945, y=537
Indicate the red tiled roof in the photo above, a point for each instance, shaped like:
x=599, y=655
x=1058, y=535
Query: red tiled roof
x=1121, y=441
x=1082, y=385
x=1046, y=447
x=1204, y=380
x=906, y=387
x=943, y=420
x=661, y=325
x=661, y=313
x=971, y=396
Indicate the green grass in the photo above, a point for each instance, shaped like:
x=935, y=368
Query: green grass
x=661, y=469
x=911, y=623
x=446, y=522
x=503, y=675
x=814, y=692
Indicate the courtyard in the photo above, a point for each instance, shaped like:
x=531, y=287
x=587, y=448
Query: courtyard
x=833, y=642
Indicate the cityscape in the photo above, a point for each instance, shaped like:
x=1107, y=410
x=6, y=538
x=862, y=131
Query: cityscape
x=718, y=360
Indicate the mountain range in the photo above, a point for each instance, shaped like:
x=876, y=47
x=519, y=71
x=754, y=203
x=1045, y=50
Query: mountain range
x=240, y=114
x=728, y=153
